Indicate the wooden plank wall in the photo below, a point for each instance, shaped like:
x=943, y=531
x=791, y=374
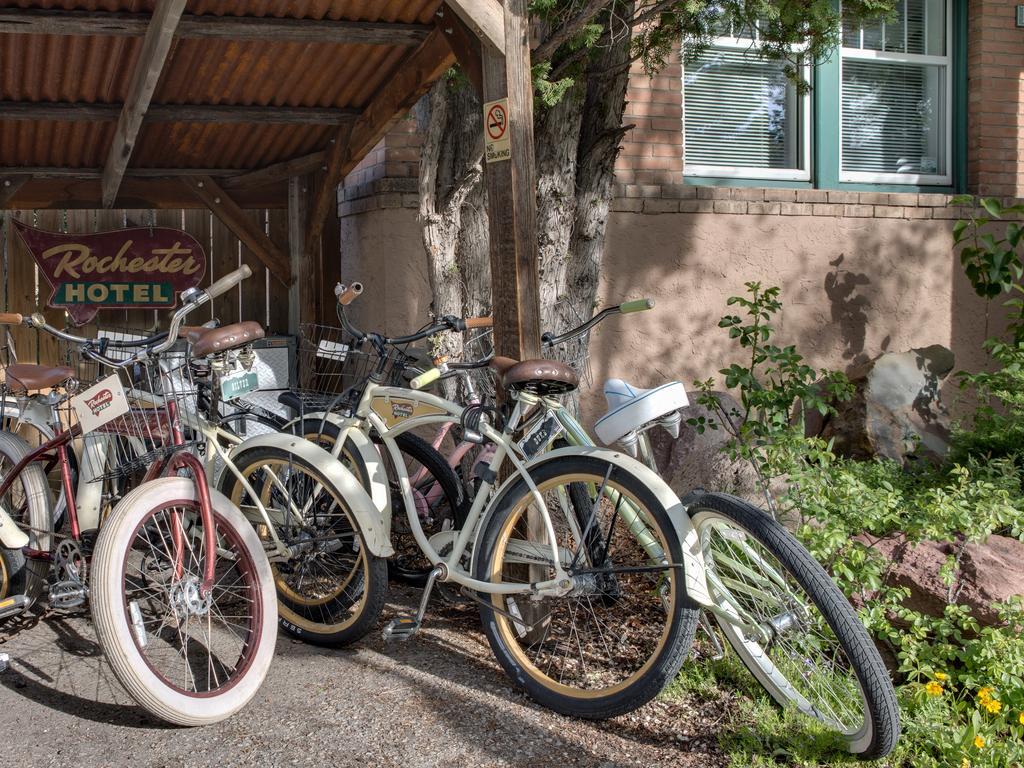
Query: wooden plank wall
x=262, y=297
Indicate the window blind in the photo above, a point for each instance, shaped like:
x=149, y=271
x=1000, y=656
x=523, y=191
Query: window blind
x=740, y=111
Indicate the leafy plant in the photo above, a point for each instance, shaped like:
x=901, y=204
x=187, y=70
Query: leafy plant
x=961, y=684
x=991, y=263
x=772, y=383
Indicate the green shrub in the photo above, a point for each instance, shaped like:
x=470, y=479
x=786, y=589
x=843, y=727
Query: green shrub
x=961, y=685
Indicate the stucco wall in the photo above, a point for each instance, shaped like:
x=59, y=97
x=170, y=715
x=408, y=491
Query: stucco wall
x=852, y=287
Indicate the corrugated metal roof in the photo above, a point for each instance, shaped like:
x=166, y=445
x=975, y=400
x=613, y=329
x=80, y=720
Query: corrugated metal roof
x=94, y=69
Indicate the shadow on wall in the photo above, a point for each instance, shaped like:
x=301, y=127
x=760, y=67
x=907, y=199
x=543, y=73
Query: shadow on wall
x=851, y=288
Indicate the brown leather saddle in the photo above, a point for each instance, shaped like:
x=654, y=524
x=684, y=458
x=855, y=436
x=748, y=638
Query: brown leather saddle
x=209, y=341
x=22, y=377
x=542, y=377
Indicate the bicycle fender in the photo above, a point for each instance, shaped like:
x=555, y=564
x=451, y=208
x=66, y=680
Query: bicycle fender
x=693, y=558
x=11, y=536
x=369, y=455
x=367, y=515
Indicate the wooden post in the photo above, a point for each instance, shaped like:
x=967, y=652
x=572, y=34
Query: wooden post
x=511, y=193
x=304, y=293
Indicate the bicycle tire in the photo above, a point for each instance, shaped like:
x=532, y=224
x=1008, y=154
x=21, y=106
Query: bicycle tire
x=671, y=643
x=36, y=515
x=876, y=736
x=360, y=596
x=125, y=637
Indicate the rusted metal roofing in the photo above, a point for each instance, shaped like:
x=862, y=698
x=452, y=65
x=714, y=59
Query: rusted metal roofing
x=94, y=69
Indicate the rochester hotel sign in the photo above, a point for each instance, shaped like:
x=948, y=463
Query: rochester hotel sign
x=143, y=267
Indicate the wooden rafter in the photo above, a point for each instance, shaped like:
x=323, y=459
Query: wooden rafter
x=485, y=18
x=228, y=211
x=55, y=22
x=162, y=192
x=297, y=166
x=155, y=47
x=352, y=142
x=51, y=172
x=176, y=113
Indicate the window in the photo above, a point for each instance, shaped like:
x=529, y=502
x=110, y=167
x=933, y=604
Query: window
x=743, y=116
x=881, y=107
x=896, y=90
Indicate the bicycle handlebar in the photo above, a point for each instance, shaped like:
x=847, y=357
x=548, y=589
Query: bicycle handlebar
x=625, y=308
x=11, y=318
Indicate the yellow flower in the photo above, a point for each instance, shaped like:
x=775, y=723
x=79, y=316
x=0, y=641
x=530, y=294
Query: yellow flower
x=985, y=694
x=1020, y=718
x=965, y=763
x=979, y=742
x=933, y=688
x=941, y=676
x=993, y=706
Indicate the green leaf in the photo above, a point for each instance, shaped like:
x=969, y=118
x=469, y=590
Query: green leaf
x=993, y=206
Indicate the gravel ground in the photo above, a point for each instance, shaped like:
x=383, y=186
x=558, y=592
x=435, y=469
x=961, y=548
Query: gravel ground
x=436, y=699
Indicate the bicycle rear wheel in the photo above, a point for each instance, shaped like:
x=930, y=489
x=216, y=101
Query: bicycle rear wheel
x=809, y=651
x=610, y=644
x=187, y=656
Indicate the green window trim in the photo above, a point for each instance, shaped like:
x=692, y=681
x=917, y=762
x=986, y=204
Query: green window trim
x=825, y=135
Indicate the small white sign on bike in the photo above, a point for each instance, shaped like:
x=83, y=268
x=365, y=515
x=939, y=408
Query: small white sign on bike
x=100, y=404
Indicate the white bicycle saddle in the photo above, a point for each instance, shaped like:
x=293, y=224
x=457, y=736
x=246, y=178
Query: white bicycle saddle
x=630, y=407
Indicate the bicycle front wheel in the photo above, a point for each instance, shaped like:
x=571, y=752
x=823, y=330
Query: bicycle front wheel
x=332, y=588
x=609, y=644
x=187, y=655
x=803, y=641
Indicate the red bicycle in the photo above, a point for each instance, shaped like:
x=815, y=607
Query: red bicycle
x=180, y=588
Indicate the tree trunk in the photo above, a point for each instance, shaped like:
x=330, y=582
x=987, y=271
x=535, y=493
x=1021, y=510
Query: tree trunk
x=576, y=143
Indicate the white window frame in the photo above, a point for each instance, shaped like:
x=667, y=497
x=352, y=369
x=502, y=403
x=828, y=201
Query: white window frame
x=738, y=172
x=946, y=62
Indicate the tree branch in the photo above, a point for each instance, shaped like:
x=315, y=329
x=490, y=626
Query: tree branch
x=569, y=30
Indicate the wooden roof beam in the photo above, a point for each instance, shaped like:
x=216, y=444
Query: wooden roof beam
x=56, y=22
x=155, y=47
x=51, y=172
x=352, y=142
x=485, y=18
x=297, y=166
x=228, y=211
x=177, y=113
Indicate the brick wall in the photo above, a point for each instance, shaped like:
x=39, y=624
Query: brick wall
x=995, y=112
x=650, y=163
x=680, y=198
x=652, y=153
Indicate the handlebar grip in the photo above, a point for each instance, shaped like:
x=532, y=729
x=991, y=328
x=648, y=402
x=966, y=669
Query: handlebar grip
x=637, y=305
x=229, y=281
x=479, y=322
x=347, y=295
x=426, y=379
x=11, y=318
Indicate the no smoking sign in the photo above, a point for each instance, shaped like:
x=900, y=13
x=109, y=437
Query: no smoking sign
x=496, y=140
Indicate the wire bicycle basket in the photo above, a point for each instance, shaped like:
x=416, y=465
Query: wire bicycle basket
x=334, y=367
x=157, y=393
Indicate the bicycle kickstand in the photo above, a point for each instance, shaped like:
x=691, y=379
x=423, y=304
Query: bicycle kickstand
x=404, y=627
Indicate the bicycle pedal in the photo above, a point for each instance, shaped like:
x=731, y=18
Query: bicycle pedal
x=65, y=595
x=401, y=628
x=12, y=606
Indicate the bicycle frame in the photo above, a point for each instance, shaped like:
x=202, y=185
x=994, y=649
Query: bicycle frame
x=55, y=451
x=390, y=411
